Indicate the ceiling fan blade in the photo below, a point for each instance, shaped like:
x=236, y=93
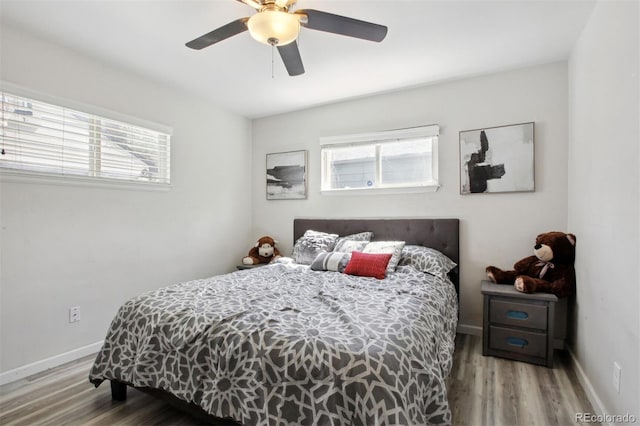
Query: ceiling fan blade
x=232, y=28
x=291, y=57
x=253, y=3
x=328, y=22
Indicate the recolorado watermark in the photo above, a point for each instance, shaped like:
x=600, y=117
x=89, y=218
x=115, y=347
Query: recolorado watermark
x=605, y=418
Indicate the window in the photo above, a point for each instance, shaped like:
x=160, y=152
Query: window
x=395, y=159
x=42, y=139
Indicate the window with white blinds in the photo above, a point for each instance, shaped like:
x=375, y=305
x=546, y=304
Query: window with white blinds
x=45, y=139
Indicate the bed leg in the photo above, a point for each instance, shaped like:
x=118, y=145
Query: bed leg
x=118, y=391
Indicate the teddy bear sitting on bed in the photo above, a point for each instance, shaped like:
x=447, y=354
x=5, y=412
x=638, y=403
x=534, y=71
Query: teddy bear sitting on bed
x=264, y=251
x=549, y=270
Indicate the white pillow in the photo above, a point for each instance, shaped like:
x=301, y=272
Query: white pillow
x=393, y=247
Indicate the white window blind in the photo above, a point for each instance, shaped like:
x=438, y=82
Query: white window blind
x=41, y=138
x=395, y=159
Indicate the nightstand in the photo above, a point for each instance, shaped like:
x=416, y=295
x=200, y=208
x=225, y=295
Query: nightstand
x=518, y=326
x=243, y=266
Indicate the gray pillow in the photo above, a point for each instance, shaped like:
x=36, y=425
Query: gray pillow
x=427, y=259
x=360, y=236
x=331, y=261
x=345, y=245
x=311, y=244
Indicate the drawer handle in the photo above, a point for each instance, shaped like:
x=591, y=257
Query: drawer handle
x=519, y=315
x=516, y=341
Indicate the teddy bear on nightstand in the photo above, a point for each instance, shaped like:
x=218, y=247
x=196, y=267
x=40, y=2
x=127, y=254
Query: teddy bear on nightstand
x=549, y=270
x=264, y=251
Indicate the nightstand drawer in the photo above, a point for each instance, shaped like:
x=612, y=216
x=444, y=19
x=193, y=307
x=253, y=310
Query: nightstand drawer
x=518, y=341
x=510, y=312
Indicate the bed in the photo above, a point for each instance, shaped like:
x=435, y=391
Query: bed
x=287, y=344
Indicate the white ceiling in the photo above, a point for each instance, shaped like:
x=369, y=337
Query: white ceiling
x=428, y=41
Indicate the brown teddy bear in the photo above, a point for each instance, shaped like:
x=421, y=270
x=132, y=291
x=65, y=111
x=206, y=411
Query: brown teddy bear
x=263, y=252
x=550, y=270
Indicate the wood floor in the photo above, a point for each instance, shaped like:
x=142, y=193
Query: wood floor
x=494, y=391
x=482, y=391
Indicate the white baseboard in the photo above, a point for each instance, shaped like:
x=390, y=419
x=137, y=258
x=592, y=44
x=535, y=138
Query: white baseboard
x=592, y=395
x=47, y=363
x=473, y=330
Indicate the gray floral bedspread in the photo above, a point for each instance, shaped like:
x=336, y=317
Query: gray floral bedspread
x=283, y=344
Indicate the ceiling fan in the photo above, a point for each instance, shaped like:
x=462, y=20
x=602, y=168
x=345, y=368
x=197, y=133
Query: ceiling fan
x=277, y=26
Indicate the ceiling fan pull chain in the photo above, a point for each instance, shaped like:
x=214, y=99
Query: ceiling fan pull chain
x=273, y=48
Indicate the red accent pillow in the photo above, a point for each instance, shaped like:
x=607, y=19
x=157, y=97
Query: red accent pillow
x=368, y=264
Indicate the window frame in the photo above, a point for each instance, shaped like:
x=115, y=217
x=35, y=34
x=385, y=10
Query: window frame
x=18, y=175
x=377, y=139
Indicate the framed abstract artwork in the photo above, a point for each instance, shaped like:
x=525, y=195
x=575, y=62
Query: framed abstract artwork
x=287, y=175
x=497, y=159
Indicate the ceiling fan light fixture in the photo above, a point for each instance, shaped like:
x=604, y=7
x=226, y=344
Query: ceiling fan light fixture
x=274, y=27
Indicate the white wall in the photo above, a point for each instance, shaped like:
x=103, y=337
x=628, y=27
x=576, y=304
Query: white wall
x=604, y=198
x=496, y=229
x=65, y=246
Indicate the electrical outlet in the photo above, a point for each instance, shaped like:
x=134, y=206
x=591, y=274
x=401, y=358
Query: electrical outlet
x=74, y=314
x=617, y=371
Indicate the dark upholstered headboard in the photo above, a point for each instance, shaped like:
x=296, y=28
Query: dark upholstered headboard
x=440, y=234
